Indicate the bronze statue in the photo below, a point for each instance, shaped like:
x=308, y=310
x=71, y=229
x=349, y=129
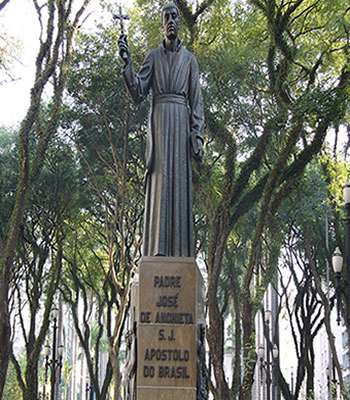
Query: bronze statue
x=175, y=132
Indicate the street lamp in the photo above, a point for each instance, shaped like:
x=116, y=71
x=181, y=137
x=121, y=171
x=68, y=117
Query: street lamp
x=267, y=365
x=57, y=354
x=275, y=351
x=46, y=355
x=337, y=261
x=55, y=363
x=346, y=193
x=261, y=352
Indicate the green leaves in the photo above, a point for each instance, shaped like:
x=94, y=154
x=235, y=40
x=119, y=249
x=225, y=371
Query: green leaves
x=8, y=175
x=336, y=175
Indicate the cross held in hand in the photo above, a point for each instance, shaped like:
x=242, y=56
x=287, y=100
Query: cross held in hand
x=121, y=17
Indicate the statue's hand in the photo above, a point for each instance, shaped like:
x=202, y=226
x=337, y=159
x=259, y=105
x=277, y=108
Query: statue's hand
x=124, y=48
x=197, y=147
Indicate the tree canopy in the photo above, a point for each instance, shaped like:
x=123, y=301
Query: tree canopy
x=275, y=77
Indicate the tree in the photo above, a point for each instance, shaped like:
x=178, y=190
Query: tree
x=12, y=390
x=38, y=264
x=305, y=313
x=51, y=67
x=90, y=295
x=303, y=277
x=109, y=142
x=8, y=54
x=283, y=90
x=335, y=176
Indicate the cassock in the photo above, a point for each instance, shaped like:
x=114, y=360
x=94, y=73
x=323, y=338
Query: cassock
x=176, y=123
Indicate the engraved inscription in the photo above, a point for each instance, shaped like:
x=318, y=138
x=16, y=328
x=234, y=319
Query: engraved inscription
x=145, y=317
x=167, y=351
x=168, y=301
x=167, y=282
x=173, y=372
x=174, y=318
x=162, y=335
x=167, y=355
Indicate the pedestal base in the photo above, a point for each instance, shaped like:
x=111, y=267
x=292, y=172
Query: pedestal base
x=169, y=314
x=166, y=393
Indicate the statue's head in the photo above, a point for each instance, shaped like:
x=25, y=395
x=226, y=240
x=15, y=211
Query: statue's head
x=171, y=20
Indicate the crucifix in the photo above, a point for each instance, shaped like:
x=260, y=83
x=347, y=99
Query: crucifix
x=121, y=17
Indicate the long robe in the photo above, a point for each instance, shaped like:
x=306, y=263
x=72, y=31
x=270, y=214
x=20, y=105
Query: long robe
x=176, y=122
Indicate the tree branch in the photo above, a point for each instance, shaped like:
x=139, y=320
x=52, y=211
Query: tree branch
x=3, y=4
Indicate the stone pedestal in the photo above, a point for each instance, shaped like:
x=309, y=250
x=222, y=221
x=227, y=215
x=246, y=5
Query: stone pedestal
x=169, y=313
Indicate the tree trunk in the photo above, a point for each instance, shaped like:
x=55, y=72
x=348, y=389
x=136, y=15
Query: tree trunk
x=216, y=343
x=31, y=391
x=118, y=383
x=216, y=323
x=117, y=377
x=6, y=259
x=50, y=56
x=237, y=375
x=4, y=332
x=249, y=353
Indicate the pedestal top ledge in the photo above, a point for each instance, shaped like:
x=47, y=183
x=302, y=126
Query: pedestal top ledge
x=167, y=260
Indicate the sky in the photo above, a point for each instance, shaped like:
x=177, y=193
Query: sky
x=19, y=20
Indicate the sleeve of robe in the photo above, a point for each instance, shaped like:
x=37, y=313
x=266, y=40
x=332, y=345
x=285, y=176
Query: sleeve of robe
x=196, y=106
x=139, y=84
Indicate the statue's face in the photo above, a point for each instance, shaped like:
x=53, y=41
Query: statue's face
x=171, y=22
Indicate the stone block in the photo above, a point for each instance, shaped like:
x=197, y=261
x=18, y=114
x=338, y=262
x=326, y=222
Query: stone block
x=169, y=309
